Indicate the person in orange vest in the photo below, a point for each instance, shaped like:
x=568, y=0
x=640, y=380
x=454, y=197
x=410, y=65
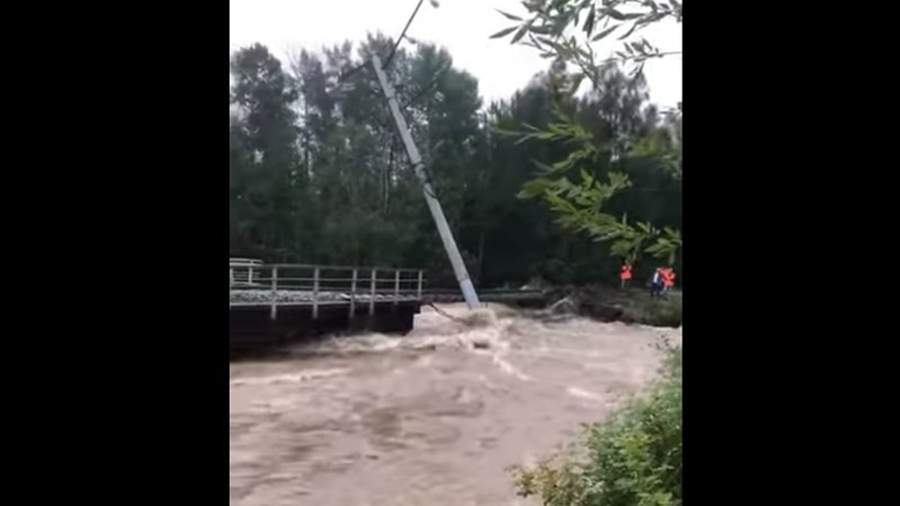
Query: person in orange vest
x=625, y=274
x=668, y=278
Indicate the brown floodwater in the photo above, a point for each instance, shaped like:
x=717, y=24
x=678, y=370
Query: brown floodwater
x=432, y=418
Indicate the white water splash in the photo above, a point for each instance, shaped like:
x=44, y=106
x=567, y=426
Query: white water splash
x=288, y=378
x=584, y=394
x=509, y=368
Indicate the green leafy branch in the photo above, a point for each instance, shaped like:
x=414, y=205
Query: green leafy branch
x=578, y=206
x=547, y=21
x=655, y=147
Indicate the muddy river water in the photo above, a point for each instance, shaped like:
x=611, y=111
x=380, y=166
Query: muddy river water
x=432, y=418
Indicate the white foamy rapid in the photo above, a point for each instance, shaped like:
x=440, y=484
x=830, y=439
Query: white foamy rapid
x=287, y=378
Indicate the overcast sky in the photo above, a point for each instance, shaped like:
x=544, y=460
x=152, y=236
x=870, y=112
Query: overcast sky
x=462, y=26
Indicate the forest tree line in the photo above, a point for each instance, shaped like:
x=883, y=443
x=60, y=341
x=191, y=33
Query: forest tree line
x=318, y=173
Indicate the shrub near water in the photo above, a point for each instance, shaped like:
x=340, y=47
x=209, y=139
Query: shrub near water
x=632, y=458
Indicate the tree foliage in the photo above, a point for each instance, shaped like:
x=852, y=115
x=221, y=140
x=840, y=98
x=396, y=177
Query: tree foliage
x=264, y=180
x=568, y=29
x=628, y=135
x=319, y=175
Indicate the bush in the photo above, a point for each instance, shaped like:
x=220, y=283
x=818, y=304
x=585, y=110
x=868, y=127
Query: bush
x=633, y=458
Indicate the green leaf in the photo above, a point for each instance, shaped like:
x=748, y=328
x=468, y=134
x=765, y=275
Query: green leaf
x=589, y=23
x=606, y=32
x=544, y=168
x=562, y=164
x=651, y=18
x=504, y=32
x=534, y=188
x=510, y=133
x=637, y=71
x=629, y=32
x=587, y=178
x=526, y=138
x=509, y=16
x=522, y=31
x=609, y=11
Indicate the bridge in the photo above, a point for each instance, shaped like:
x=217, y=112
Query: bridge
x=273, y=304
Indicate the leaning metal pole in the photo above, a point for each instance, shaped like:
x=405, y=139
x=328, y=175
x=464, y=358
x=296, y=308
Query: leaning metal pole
x=459, y=268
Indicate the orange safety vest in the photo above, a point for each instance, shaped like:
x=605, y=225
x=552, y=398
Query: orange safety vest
x=668, y=277
x=626, y=272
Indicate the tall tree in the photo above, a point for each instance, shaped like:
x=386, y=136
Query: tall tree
x=265, y=174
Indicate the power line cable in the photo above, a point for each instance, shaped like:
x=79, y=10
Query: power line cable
x=387, y=61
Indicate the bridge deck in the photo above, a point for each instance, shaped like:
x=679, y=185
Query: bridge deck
x=304, y=297
x=273, y=303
